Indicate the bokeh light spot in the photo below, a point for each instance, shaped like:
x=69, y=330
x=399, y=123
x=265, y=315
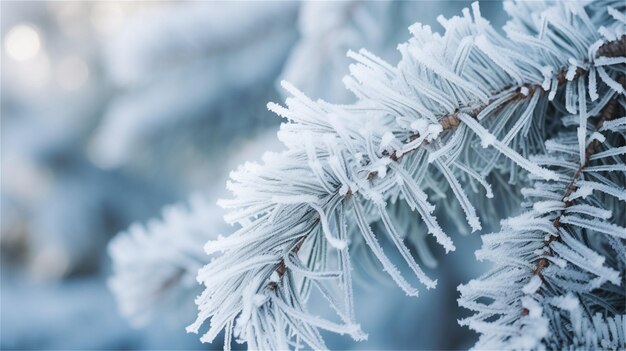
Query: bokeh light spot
x=22, y=42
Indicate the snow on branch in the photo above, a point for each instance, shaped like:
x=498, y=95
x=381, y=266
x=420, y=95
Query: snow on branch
x=154, y=266
x=470, y=102
x=563, y=256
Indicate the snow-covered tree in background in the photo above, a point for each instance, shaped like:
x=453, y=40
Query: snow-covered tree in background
x=203, y=47
x=467, y=115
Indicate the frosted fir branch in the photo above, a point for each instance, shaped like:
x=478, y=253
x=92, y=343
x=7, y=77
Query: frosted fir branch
x=548, y=262
x=453, y=120
x=154, y=266
x=343, y=163
x=576, y=183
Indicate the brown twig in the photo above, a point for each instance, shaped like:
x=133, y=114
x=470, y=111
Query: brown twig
x=614, y=48
x=282, y=268
x=608, y=112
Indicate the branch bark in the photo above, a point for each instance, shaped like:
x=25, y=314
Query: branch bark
x=608, y=112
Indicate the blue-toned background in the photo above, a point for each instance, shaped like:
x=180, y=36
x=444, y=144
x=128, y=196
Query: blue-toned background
x=111, y=110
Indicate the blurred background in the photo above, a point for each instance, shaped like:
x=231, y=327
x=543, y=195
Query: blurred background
x=112, y=110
